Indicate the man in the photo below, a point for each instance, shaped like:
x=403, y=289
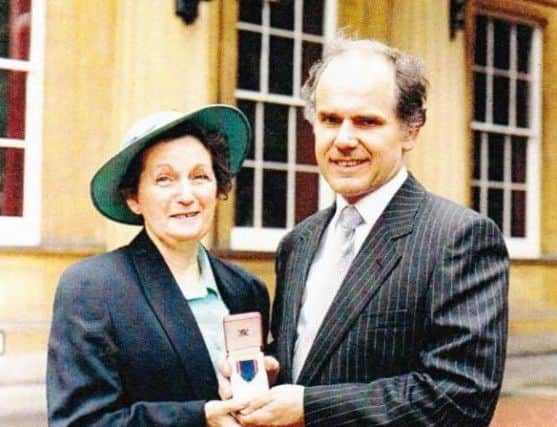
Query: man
x=414, y=333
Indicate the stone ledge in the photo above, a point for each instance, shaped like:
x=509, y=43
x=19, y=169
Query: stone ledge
x=532, y=343
x=22, y=368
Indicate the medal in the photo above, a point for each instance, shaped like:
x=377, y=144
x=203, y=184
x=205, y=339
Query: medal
x=247, y=369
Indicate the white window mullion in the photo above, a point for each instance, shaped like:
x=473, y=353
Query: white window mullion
x=269, y=97
x=258, y=169
x=507, y=188
x=483, y=173
x=330, y=25
x=512, y=77
x=265, y=47
x=489, y=74
x=297, y=62
x=291, y=174
x=533, y=154
x=16, y=64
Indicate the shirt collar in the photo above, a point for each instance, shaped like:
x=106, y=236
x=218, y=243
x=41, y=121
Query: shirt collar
x=207, y=281
x=373, y=204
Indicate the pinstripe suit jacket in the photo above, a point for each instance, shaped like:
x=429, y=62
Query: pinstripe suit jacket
x=417, y=332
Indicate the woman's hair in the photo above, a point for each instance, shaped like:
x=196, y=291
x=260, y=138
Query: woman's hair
x=410, y=81
x=215, y=143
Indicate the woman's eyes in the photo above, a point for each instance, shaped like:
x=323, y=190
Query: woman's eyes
x=163, y=179
x=168, y=179
x=201, y=177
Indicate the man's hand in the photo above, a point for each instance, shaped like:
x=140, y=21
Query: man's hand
x=224, y=372
x=218, y=413
x=281, y=406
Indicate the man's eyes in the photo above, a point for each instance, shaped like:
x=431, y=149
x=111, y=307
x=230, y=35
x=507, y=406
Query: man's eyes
x=367, y=121
x=326, y=119
x=356, y=121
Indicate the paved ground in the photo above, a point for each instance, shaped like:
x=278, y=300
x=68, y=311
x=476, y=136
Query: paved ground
x=526, y=411
x=529, y=395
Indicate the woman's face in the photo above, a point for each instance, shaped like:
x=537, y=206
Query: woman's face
x=177, y=191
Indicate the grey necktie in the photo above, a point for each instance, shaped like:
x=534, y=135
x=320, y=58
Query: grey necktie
x=348, y=220
x=338, y=258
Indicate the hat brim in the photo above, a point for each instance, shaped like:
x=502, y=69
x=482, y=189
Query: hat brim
x=226, y=119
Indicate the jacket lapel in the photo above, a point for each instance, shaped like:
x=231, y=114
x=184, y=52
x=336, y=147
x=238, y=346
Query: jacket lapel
x=174, y=314
x=368, y=271
x=233, y=290
x=299, y=262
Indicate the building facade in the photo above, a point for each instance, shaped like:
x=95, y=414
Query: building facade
x=75, y=75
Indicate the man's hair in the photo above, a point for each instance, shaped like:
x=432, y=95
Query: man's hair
x=410, y=81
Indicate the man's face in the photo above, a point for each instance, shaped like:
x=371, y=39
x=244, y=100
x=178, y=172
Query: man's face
x=359, y=141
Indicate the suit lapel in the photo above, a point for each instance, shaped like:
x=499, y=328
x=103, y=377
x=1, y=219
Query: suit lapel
x=174, y=314
x=368, y=271
x=303, y=251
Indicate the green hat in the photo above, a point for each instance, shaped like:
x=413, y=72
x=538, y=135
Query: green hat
x=225, y=119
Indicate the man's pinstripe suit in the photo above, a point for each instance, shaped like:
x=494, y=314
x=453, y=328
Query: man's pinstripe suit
x=417, y=333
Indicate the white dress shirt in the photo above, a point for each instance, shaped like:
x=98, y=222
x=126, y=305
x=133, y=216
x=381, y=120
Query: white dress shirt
x=320, y=291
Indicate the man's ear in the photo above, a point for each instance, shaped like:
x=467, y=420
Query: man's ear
x=410, y=138
x=133, y=204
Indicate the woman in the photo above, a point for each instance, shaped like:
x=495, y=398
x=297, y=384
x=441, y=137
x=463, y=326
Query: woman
x=136, y=332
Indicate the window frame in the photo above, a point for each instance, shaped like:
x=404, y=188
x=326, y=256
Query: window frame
x=25, y=230
x=257, y=237
x=529, y=246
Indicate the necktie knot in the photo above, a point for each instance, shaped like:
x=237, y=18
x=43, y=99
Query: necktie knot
x=349, y=218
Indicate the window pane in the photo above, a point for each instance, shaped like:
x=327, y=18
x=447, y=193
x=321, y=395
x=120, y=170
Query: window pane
x=495, y=205
x=305, y=153
x=244, y=198
x=501, y=100
x=479, y=97
x=524, y=42
x=522, y=103
x=248, y=108
x=480, y=43
x=274, y=199
x=477, y=154
x=306, y=192
x=12, y=104
x=518, y=222
x=518, y=159
x=11, y=181
x=311, y=52
x=281, y=59
x=313, y=16
x=495, y=157
x=476, y=198
x=282, y=14
x=250, y=11
x=275, y=147
x=249, y=44
x=502, y=42
x=15, y=23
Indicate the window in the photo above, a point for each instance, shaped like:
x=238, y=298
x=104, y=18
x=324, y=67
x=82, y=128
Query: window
x=506, y=128
x=279, y=184
x=20, y=84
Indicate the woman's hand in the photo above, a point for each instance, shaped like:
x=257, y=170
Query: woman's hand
x=218, y=412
